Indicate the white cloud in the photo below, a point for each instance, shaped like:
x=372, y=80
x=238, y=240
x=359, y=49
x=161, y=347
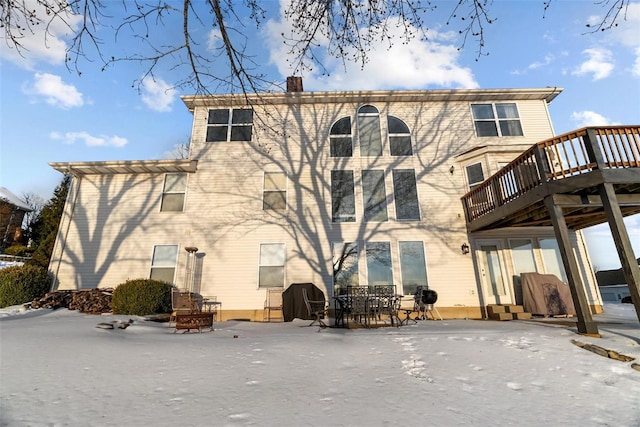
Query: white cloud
x=625, y=33
x=41, y=43
x=158, y=94
x=55, y=91
x=89, y=140
x=413, y=64
x=599, y=63
x=590, y=118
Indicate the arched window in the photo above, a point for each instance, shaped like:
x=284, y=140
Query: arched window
x=340, y=141
x=369, y=131
x=399, y=137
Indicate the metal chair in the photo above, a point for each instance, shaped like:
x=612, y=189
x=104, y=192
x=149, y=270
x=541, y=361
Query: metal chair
x=316, y=309
x=386, y=302
x=273, y=302
x=357, y=305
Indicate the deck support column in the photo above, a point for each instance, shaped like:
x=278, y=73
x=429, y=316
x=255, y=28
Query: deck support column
x=586, y=324
x=623, y=243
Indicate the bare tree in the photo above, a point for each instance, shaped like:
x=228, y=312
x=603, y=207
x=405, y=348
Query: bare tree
x=180, y=151
x=221, y=61
x=35, y=202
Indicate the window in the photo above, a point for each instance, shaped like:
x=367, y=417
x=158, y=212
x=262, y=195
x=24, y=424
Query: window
x=369, y=131
x=272, y=260
x=379, y=270
x=496, y=119
x=475, y=175
x=552, y=258
x=340, y=140
x=173, y=191
x=343, y=202
x=274, y=196
x=406, y=194
x=522, y=254
x=375, y=196
x=412, y=266
x=229, y=125
x=345, y=266
x=163, y=263
x=399, y=137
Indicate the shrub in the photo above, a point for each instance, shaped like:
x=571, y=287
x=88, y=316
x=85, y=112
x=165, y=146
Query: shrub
x=141, y=297
x=18, y=250
x=22, y=284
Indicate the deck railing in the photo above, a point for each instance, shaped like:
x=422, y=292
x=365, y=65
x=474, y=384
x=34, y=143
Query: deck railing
x=563, y=156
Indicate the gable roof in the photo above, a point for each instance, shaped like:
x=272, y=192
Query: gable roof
x=14, y=200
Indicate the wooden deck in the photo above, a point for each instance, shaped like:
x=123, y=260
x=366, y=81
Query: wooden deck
x=570, y=168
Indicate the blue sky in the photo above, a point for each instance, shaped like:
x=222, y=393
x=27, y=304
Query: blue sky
x=49, y=114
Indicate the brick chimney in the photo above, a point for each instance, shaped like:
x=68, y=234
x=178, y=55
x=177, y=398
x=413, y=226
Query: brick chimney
x=294, y=84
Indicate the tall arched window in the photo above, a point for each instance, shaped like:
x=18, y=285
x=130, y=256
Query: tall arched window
x=369, y=131
x=399, y=137
x=340, y=141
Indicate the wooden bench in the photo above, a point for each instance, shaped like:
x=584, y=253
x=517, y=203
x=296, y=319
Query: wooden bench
x=187, y=322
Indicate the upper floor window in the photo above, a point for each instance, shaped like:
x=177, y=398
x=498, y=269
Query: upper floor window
x=173, y=192
x=369, y=131
x=163, y=263
x=399, y=137
x=229, y=125
x=340, y=140
x=343, y=201
x=475, y=175
x=274, y=196
x=405, y=192
x=496, y=119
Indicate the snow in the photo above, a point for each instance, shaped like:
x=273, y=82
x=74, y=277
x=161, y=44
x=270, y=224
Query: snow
x=5, y=264
x=58, y=369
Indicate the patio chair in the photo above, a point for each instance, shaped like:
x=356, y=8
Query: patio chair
x=316, y=309
x=357, y=305
x=407, y=305
x=386, y=302
x=273, y=303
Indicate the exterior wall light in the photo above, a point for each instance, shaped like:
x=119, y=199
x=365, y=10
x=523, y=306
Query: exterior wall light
x=464, y=248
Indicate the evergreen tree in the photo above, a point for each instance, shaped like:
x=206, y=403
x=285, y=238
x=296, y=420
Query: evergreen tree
x=46, y=226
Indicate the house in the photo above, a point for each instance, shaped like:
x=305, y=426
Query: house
x=333, y=188
x=12, y=211
x=613, y=285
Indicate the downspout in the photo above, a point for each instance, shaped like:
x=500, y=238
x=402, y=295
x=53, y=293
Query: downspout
x=62, y=240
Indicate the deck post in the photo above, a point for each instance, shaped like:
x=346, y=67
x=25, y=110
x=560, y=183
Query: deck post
x=586, y=325
x=623, y=243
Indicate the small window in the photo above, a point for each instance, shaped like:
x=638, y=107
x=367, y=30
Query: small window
x=496, y=119
x=399, y=137
x=340, y=140
x=379, y=269
x=229, y=125
x=405, y=193
x=345, y=266
x=369, y=131
x=374, y=195
x=163, y=263
x=412, y=266
x=343, y=201
x=173, y=192
x=475, y=175
x=272, y=263
x=274, y=196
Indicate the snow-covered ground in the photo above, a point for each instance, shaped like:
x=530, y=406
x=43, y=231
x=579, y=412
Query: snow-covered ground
x=58, y=369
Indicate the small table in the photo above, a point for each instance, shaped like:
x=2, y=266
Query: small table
x=211, y=306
